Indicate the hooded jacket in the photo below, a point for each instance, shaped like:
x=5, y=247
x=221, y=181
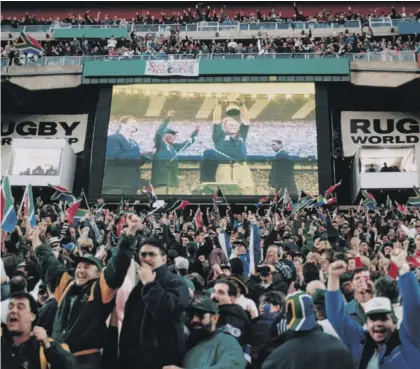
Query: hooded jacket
x=233, y=320
x=402, y=351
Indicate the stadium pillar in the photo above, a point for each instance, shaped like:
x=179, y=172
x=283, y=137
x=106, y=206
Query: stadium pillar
x=100, y=134
x=324, y=137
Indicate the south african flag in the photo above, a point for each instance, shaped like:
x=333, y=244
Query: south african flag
x=415, y=200
x=28, y=44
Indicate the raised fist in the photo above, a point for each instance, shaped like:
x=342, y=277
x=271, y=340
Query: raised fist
x=337, y=268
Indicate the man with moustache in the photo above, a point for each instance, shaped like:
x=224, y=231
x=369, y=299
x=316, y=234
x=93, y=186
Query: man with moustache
x=85, y=301
x=152, y=334
x=381, y=345
x=206, y=346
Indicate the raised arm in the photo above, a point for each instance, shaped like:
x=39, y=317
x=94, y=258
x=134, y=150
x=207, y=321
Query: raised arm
x=217, y=113
x=410, y=292
x=350, y=332
x=244, y=114
x=113, y=276
x=53, y=273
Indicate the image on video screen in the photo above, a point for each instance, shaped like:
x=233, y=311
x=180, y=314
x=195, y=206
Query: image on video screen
x=187, y=139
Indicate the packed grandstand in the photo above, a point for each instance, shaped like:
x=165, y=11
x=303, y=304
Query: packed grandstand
x=200, y=185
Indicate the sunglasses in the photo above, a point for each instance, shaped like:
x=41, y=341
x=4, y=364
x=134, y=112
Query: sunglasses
x=196, y=313
x=145, y=254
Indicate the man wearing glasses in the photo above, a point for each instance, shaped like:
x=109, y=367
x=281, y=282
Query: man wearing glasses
x=152, y=334
x=205, y=345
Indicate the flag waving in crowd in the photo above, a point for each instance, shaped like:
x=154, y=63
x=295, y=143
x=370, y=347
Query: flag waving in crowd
x=8, y=212
x=29, y=206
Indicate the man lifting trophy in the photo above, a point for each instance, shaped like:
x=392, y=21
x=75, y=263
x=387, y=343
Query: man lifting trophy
x=229, y=137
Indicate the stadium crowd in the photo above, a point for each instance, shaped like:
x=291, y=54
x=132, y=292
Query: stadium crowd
x=173, y=46
x=340, y=42
x=203, y=13
x=230, y=288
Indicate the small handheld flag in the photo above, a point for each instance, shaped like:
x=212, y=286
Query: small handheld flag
x=28, y=205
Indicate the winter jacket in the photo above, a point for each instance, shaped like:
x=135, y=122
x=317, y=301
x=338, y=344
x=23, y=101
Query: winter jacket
x=31, y=354
x=83, y=310
x=234, y=321
x=310, y=349
x=402, y=351
x=152, y=334
x=221, y=351
x=262, y=343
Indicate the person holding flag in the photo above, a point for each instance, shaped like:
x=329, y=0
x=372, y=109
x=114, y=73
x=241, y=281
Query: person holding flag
x=249, y=252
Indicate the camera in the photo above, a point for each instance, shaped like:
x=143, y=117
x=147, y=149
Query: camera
x=264, y=270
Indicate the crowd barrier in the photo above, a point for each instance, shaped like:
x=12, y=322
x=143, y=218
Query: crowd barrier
x=216, y=26
x=401, y=56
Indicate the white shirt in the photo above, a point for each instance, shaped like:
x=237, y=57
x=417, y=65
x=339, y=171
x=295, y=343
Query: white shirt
x=374, y=361
x=328, y=328
x=245, y=302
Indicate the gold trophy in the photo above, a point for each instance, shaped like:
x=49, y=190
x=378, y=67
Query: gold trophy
x=233, y=110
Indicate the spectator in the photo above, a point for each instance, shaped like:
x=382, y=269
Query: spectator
x=94, y=290
x=152, y=334
x=22, y=340
x=306, y=345
x=382, y=342
x=232, y=318
x=205, y=340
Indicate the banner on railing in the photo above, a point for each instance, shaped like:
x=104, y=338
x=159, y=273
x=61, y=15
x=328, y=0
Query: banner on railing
x=187, y=68
x=378, y=129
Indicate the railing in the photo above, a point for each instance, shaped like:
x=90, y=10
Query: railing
x=215, y=26
x=80, y=60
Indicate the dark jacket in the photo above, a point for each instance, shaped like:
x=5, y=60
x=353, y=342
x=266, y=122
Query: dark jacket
x=46, y=315
x=152, y=334
x=311, y=349
x=83, y=310
x=33, y=353
x=165, y=166
x=234, y=321
x=282, y=173
x=12, y=260
x=262, y=343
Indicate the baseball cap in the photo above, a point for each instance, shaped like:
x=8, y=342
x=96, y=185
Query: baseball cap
x=241, y=242
x=205, y=303
x=181, y=263
x=318, y=297
x=90, y=259
x=171, y=131
x=378, y=305
x=300, y=311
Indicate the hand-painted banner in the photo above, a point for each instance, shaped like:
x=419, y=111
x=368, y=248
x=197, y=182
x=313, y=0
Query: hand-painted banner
x=188, y=68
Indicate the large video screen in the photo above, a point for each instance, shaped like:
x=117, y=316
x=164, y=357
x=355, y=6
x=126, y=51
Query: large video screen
x=187, y=139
